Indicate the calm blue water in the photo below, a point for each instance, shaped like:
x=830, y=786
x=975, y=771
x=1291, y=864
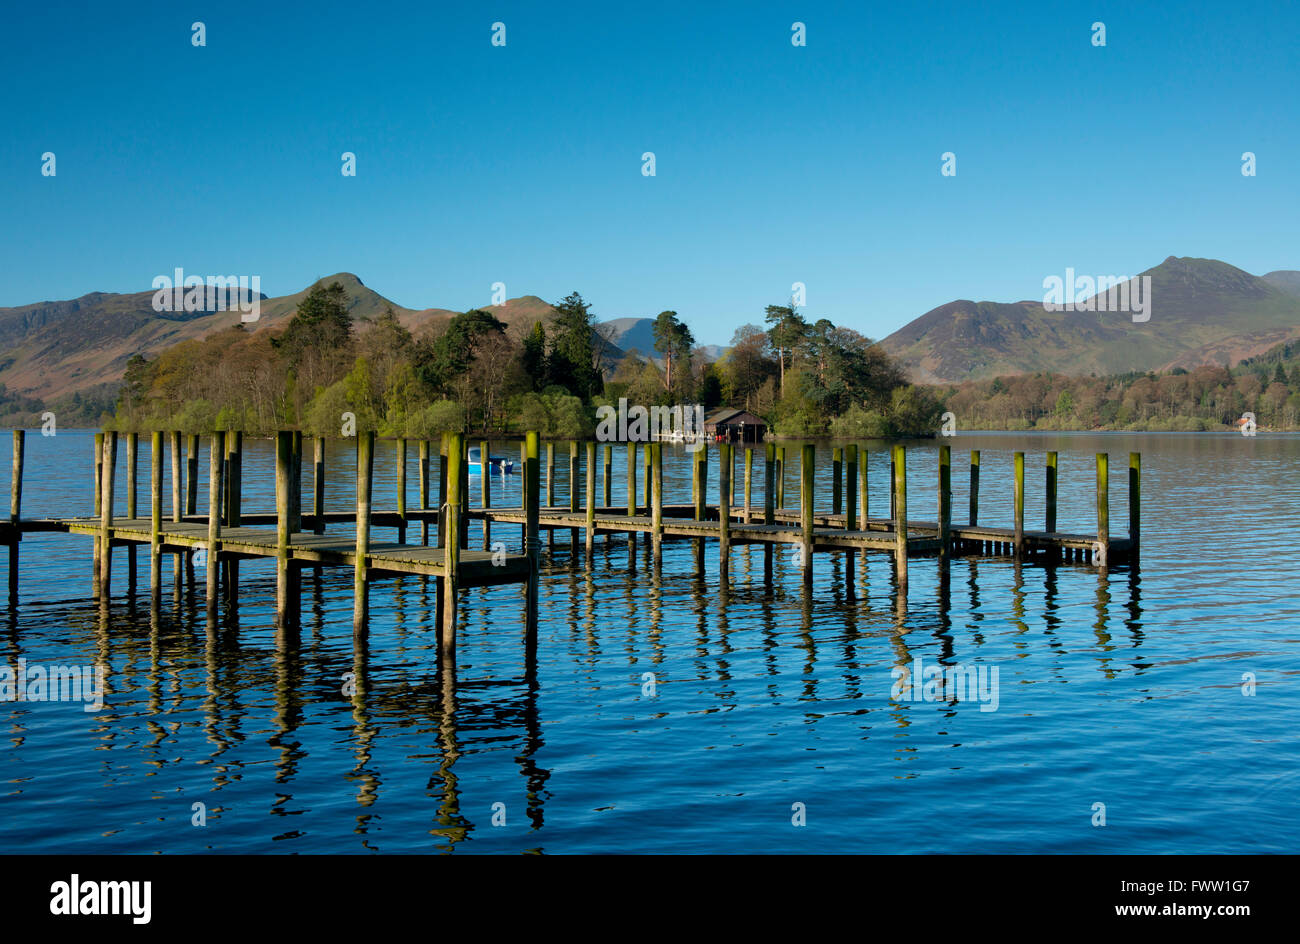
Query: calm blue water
x=1123, y=689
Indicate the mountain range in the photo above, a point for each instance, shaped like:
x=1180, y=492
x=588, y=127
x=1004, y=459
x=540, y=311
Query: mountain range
x=1203, y=311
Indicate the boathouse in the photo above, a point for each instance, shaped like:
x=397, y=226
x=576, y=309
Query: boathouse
x=732, y=425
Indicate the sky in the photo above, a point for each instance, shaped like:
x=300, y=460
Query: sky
x=522, y=163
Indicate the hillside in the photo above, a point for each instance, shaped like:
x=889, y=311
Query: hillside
x=1203, y=311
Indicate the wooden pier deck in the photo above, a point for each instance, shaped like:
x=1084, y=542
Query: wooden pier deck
x=296, y=539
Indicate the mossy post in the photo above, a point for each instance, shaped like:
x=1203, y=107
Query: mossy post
x=106, y=515
x=283, y=493
x=178, y=507
x=898, y=460
x=442, y=496
x=360, y=574
x=1050, y=493
x=608, y=482
x=806, y=470
x=318, y=486
x=485, y=481
x=631, y=503
x=97, y=579
x=456, y=457
x=424, y=491
x=837, y=479
x=295, y=492
x=1134, y=501
x=591, y=500
x=725, y=472
x=132, y=471
x=231, y=512
x=863, y=497
x=769, y=506
x=216, y=450
x=16, y=512
x=399, y=460
x=974, y=487
x=749, y=476
x=945, y=502
x=532, y=493
x=155, y=511
x=1101, y=552
x=850, y=505
x=1018, y=499
x=780, y=478
x=701, y=501
x=192, y=474
x=573, y=492
x=550, y=493
x=657, y=502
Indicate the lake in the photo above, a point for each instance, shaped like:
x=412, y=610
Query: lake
x=667, y=715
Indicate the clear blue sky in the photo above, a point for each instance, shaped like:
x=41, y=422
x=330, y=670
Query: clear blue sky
x=522, y=164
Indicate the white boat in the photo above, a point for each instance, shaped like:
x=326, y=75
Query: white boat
x=495, y=463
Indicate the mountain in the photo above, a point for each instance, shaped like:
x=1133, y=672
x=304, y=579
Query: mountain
x=1202, y=311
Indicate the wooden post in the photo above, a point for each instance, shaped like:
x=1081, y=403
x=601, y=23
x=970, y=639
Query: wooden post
x=657, y=502
x=1134, y=500
x=177, y=503
x=573, y=491
x=400, y=458
x=898, y=460
x=769, y=506
x=1101, y=553
x=645, y=456
x=192, y=474
x=132, y=470
x=155, y=513
x=464, y=491
x=780, y=478
x=974, y=487
x=863, y=497
x=893, y=483
x=283, y=498
x=731, y=491
x=442, y=500
x=424, y=492
x=1051, y=492
x=591, y=499
x=631, y=502
x=749, y=476
x=361, y=575
x=945, y=501
x=295, y=493
x=550, y=494
x=106, y=514
x=837, y=476
x=16, y=513
x=1018, y=494
x=485, y=485
x=609, y=483
x=806, y=470
x=531, y=496
x=216, y=451
x=850, y=505
x=233, y=492
x=701, y=501
x=318, y=485
x=99, y=500
x=451, y=561
x=725, y=470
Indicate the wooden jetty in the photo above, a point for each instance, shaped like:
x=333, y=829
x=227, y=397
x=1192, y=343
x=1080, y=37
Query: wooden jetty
x=294, y=539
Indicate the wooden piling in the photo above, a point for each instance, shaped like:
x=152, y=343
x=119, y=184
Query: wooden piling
x=945, y=501
x=1018, y=500
x=155, y=513
x=898, y=460
x=233, y=498
x=456, y=456
x=1050, y=493
x=424, y=491
x=177, y=503
x=318, y=485
x=701, y=501
x=216, y=451
x=283, y=474
x=1102, y=553
x=657, y=502
x=591, y=501
x=361, y=575
x=806, y=495
x=531, y=496
x=400, y=458
x=850, y=505
x=550, y=493
x=485, y=488
x=974, y=487
x=769, y=506
x=780, y=478
x=631, y=502
x=106, y=515
x=749, y=475
x=725, y=470
x=609, y=478
x=1134, y=501
x=442, y=499
x=295, y=482
x=573, y=491
x=132, y=470
x=864, y=497
x=192, y=474
x=16, y=511
x=837, y=479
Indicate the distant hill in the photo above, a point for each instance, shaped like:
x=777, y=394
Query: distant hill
x=1203, y=311
x=52, y=349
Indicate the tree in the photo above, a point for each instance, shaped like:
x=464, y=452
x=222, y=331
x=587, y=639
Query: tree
x=534, y=357
x=787, y=329
x=572, y=355
x=674, y=341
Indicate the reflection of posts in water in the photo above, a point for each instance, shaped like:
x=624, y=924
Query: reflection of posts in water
x=1134, y=605
x=451, y=824
x=1101, y=627
x=364, y=730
